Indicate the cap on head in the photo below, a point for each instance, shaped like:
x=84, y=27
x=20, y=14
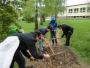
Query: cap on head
x=37, y=32
x=53, y=18
x=59, y=26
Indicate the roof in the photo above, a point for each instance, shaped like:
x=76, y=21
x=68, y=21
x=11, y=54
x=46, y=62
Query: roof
x=78, y=4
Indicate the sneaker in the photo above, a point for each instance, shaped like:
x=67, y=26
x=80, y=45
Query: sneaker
x=67, y=46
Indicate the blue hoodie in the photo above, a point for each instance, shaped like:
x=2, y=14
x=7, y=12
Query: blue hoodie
x=53, y=24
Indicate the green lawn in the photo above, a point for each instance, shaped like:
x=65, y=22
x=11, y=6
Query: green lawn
x=80, y=41
x=28, y=27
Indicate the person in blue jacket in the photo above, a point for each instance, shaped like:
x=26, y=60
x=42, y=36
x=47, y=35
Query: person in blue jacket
x=53, y=25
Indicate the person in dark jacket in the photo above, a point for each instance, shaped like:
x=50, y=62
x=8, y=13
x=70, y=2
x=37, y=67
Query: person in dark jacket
x=27, y=48
x=67, y=32
x=44, y=30
x=53, y=25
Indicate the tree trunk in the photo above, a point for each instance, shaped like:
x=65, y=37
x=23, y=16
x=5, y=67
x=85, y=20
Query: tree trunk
x=56, y=13
x=36, y=18
x=42, y=19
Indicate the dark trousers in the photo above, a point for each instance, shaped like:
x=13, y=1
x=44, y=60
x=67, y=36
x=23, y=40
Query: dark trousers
x=68, y=36
x=19, y=59
x=53, y=37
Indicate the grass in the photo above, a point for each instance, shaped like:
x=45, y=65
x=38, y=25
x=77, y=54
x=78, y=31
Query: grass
x=80, y=41
x=28, y=27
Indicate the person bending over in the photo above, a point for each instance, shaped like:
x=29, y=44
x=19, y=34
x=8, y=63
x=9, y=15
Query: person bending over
x=67, y=32
x=27, y=47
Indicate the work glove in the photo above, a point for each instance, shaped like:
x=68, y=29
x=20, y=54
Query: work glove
x=32, y=58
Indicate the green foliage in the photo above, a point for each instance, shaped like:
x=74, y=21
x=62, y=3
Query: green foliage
x=29, y=10
x=54, y=6
x=50, y=7
x=7, y=16
x=28, y=27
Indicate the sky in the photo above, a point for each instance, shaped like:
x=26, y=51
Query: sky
x=74, y=2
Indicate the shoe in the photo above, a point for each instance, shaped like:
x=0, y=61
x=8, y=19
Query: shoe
x=67, y=46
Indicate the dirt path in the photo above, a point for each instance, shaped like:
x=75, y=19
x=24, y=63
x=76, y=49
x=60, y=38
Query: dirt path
x=63, y=58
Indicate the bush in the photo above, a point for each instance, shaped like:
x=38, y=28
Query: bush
x=29, y=19
x=7, y=17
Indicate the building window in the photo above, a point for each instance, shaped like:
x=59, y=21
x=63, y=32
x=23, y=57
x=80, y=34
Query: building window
x=88, y=9
x=76, y=10
x=70, y=10
x=80, y=9
x=83, y=9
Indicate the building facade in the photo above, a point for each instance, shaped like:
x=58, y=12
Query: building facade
x=77, y=11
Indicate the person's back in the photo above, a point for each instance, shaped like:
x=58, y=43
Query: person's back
x=27, y=42
x=25, y=38
x=67, y=32
x=43, y=31
x=66, y=28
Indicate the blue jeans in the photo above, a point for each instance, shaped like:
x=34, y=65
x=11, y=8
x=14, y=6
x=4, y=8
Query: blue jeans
x=41, y=50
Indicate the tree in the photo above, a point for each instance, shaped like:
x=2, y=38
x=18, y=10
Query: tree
x=88, y=5
x=38, y=8
x=31, y=10
x=7, y=16
x=53, y=7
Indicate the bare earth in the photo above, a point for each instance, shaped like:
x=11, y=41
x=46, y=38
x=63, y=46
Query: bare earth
x=63, y=58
